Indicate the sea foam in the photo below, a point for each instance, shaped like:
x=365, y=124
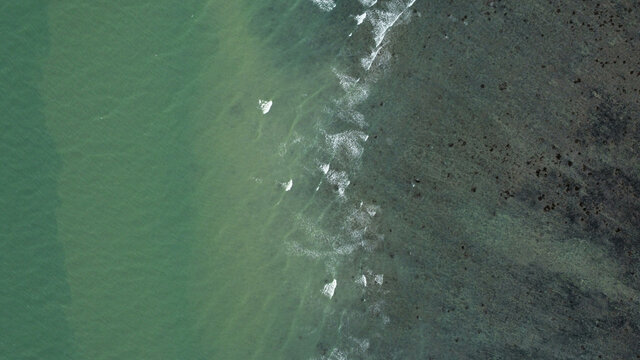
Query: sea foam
x=356, y=91
x=329, y=288
x=340, y=179
x=264, y=105
x=325, y=5
x=347, y=142
x=287, y=185
x=378, y=279
x=367, y=61
x=368, y=3
x=383, y=20
x=362, y=280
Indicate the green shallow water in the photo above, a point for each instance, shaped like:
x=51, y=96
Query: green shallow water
x=144, y=214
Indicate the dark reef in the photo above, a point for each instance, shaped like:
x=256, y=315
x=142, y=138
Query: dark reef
x=513, y=202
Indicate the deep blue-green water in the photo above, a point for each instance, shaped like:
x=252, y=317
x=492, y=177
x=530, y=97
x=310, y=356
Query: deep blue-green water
x=153, y=209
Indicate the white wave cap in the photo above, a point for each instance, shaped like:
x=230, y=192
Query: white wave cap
x=335, y=355
x=363, y=344
x=357, y=95
x=360, y=18
x=362, y=280
x=264, y=105
x=324, y=168
x=339, y=179
x=314, y=231
x=368, y=3
x=382, y=21
x=357, y=221
x=297, y=249
x=367, y=61
x=349, y=115
x=346, y=249
x=346, y=81
x=325, y=5
x=356, y=92
x=349, y=142
x=378, y=279
x=287, y=185
x=372, y=209
x=329, y=288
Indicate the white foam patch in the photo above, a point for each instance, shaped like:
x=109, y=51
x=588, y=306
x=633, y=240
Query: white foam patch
x=329, y=288
x=383, y=20
x=357, y=95
x=320, y=244
x=367, y=61
x=372, y=210
x=357, y=225
x=264, y=105
x=356, y=92
x=360, y=18
x=348, y=143
x=383, y=58
x=296, y=138
x=287, y=185
x=368, y=3
x=358, y=219
x=378, y=279
x=362, y=280
x=339, y=179
x=319, y=237
x=297, y=249
x=346, y=81
x=324, y=168
x=376, y=308
x=362, y=344
x=336, y=355
x=351, y=116
x=325, y=5
x=357, y=118
x=315, y=231
x=347, y=249
x=343, y=250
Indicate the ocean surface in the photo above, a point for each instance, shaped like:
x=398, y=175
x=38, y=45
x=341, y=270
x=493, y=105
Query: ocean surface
x=319, y=179
x=155, y=207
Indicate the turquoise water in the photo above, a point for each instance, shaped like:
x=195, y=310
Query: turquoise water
x=150, y=209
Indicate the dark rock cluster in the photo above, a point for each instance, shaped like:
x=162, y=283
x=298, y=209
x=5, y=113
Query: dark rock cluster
x=504, y=155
